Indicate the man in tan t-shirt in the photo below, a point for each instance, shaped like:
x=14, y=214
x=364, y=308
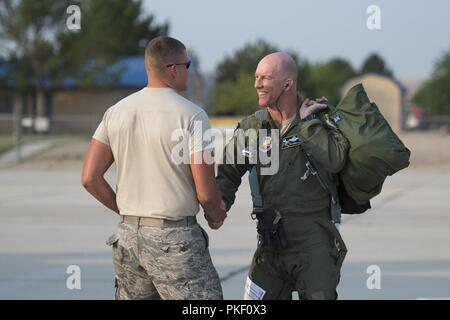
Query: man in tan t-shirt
x=154, y=136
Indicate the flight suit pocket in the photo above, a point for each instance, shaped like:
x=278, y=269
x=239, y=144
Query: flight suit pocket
x=262, y=261
x=338, y=249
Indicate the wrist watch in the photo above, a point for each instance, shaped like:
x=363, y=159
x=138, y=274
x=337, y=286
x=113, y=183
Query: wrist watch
x=309, y=117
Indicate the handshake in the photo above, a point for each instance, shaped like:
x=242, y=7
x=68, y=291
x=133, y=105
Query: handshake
x=216, y=218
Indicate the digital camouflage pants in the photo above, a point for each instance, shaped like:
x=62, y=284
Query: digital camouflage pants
x=163, y=263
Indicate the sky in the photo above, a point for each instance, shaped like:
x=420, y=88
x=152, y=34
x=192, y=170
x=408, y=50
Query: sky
x=413, y=34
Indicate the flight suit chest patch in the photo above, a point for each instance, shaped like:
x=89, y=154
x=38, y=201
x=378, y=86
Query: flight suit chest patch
x=266, y=144
x=291, y=141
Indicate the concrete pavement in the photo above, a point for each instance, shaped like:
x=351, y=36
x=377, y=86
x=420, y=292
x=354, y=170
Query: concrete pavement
x=48, y=222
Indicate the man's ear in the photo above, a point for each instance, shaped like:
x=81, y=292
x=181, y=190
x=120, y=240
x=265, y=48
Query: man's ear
x=170, y=71
x=288, y=84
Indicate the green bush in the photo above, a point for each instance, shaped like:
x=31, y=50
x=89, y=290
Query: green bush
x=434, y=94
x=236, y=97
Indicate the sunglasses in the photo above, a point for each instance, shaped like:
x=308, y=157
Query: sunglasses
x=187, y=64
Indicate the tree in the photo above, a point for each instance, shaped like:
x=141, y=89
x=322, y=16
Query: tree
x=108, y=32
x=236, y=97
x=244, y=60
x=375, y=64
x=328, y=78
x=26, y=29
x=43, y=52
x=434, y=94
x=234, y=93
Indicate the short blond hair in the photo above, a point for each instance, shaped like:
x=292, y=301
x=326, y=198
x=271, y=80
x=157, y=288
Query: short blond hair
x=161, y=51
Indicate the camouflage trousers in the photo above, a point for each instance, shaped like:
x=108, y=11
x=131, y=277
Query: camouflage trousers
x=163, y=263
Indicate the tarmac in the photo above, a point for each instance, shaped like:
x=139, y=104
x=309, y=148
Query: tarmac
x=24, y=152
x=399, y=249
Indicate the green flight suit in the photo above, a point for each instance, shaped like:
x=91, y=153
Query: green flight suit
x=310, y=261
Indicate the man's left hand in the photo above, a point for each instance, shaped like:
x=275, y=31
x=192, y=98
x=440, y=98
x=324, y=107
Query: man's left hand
x=312, y=106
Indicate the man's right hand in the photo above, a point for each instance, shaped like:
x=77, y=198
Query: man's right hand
x=220, y=216
x=215, y=225
x=208, y=193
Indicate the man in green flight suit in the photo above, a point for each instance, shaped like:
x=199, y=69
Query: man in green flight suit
x=299, y=248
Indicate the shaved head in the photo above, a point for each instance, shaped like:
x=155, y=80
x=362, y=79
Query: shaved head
x=275, y=79
x=281, y=64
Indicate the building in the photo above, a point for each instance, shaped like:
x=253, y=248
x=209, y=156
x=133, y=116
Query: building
x=70, y=108
x=387, y=93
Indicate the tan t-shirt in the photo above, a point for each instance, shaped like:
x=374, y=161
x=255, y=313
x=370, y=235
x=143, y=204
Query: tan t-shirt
x=286, y=124
x=151, y=134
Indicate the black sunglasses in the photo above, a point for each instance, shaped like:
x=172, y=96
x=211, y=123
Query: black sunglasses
x=187, y=64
